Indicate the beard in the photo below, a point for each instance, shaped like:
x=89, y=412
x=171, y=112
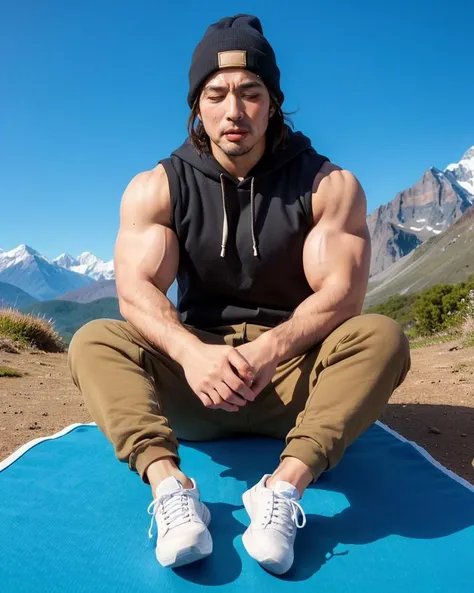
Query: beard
x=234, y=149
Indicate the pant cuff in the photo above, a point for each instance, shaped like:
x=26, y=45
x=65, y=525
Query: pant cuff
x=142, y=460
x=309, y=453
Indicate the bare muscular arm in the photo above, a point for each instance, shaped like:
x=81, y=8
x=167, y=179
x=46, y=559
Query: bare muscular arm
x=146, y=261
x=336, y=260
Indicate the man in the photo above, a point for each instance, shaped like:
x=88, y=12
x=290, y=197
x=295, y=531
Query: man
x=270, y=246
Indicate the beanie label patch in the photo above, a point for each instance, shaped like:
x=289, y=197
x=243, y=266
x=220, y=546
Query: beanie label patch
x=232, y=58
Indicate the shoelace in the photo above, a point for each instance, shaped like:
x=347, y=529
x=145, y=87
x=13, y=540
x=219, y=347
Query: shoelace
x=174, y=508
x=282, y=509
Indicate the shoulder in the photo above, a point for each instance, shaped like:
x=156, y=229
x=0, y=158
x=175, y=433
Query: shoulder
x=335, y=189
x=147, y=196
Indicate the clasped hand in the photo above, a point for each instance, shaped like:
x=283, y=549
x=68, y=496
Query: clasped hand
x=227, y=378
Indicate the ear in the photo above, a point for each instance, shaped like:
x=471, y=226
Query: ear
x=272, y=111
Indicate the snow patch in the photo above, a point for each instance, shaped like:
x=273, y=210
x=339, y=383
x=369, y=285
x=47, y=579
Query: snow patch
x=414, y=228
x=22, y=253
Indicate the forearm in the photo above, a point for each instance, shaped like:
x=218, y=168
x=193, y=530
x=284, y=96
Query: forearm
x=157, y=319
x=311, y=322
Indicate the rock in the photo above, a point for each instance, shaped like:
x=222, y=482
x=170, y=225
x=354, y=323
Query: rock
x=463, y=434
x=434, y=430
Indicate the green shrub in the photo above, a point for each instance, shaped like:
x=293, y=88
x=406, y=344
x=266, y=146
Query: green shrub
x=441, y=307
x=399, y=307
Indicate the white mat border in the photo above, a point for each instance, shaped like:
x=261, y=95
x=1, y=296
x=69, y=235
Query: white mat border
x=19, y=452
x=427, y=456
x=30, y=444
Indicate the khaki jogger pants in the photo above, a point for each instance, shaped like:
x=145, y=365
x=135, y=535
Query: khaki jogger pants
x=319, y=402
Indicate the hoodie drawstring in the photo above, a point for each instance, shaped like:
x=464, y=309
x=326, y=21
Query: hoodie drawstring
x=252, y=216
x=225, y=224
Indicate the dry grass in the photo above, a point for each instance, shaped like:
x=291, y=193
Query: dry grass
x=9, y=372
x=20, y=330
x=8, y=345
x=467, y=330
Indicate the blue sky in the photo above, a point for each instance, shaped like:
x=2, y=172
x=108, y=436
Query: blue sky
x=93, y=92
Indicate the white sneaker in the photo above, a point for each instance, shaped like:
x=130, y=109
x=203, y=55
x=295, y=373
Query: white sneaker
x=182, y=521
x=274, y=518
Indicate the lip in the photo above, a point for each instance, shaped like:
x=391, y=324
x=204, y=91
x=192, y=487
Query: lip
x=231, y=135
x=235, y=132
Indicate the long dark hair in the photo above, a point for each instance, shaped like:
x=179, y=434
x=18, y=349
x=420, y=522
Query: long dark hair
x=276, y=130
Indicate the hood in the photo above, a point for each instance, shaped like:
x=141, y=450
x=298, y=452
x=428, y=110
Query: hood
x=295, y=144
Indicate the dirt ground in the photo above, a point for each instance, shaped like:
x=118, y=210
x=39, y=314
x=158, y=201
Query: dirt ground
x=433, y=407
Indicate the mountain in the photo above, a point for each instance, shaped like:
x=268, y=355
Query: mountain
x=448, y=257
x=12, y=296
x=463, y=172
x=422, y=211
x=27, y=269
x=105, y=288
x=68, y=317
x=92, y=292
x=87, y=263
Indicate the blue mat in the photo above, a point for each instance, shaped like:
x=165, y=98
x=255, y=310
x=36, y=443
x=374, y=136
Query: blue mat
x=387, y=519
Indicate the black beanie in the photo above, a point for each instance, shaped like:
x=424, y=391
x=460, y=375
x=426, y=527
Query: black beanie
x=234, y=41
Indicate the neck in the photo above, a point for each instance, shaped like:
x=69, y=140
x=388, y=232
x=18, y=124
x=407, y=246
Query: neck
x=239, y=166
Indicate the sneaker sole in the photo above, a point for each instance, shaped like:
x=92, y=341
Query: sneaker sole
x=186, y=556
x=192, y=553
x=248, y=542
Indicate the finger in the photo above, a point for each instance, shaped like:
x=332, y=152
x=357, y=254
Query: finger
x=238, y=386
x=244, y=369
x=223, y=405
x=228, y=395
x=206, y=400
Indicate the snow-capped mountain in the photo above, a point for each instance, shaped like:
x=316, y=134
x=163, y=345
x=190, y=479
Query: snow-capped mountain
x=87, y=263
x=34, y=273
x=420, y=212
x=463, y=171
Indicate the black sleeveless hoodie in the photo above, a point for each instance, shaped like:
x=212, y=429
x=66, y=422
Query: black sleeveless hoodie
x=241, y=242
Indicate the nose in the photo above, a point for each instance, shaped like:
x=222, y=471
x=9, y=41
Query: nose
x=234, y=107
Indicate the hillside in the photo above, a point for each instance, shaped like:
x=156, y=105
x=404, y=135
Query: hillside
x=12, y=296
x=68, y=317
x=448, y=258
